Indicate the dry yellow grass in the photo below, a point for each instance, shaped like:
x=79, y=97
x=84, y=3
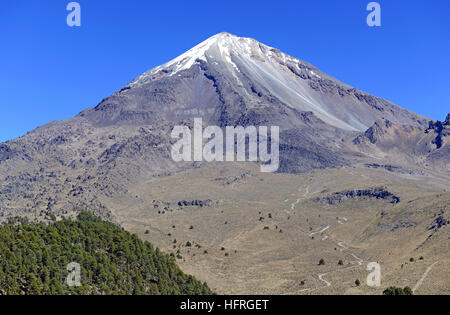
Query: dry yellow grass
x=275, y=254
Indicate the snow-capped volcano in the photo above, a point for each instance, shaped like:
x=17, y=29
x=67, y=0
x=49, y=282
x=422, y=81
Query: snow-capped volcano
x=109, y=152
x=248, y=65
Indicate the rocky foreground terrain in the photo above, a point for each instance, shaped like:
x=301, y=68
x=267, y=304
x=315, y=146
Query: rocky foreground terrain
x=360, y=178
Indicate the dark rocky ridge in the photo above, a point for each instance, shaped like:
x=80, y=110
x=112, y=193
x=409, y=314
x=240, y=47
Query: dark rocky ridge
x=393, y=169
x=441, y=129
x=377, y=193
x=439, y=223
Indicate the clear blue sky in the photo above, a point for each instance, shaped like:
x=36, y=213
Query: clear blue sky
x=49, y=71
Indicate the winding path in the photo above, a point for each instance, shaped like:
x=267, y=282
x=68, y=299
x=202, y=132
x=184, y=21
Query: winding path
x=322, y=279
x=295, y=203
x=321, y=231
x=359, y=260
x=419, y=283
x=343, y=246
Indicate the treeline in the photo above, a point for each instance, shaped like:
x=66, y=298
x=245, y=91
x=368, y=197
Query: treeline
x=34, y=259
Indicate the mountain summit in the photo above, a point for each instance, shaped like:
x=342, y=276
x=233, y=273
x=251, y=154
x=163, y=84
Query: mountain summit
x=262, y=76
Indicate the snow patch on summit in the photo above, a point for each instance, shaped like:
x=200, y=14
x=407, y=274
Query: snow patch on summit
x=218, y=47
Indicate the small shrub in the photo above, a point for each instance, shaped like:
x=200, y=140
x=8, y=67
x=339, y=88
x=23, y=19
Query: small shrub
x=398, y=291
x=407, y=291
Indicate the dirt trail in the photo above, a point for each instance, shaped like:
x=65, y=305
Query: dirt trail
x=322, y=279
x=419, y=283
x=319, y=232
x=342, y=245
